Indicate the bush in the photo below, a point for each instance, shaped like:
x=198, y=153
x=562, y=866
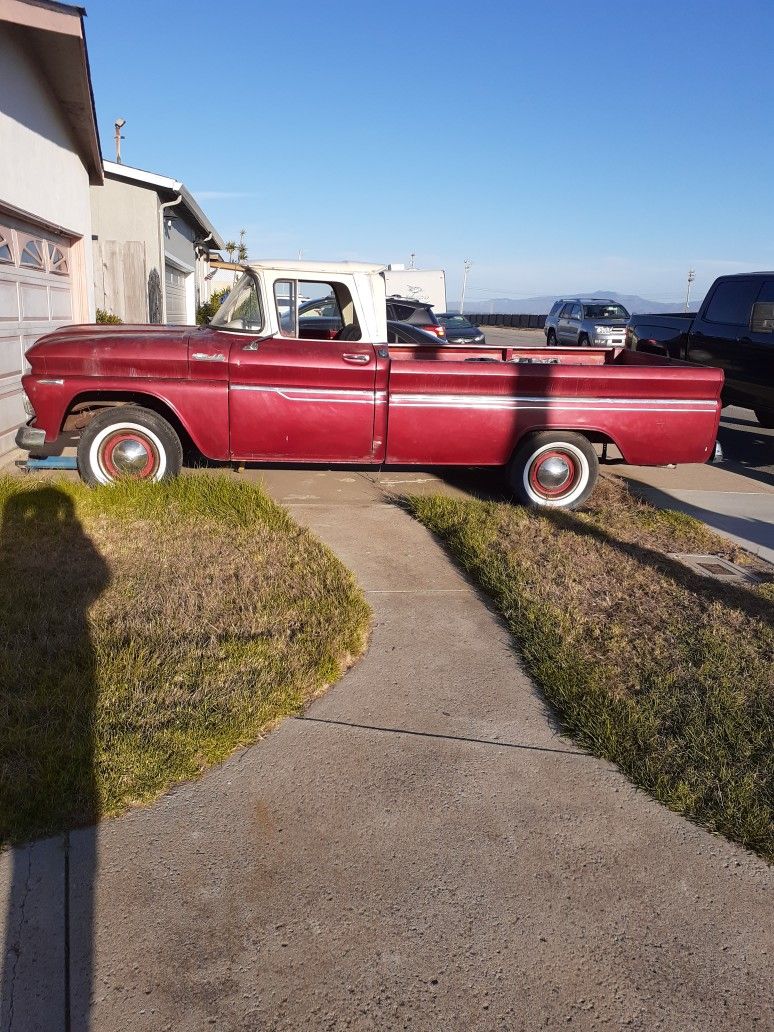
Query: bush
x=103, y=316
x=205, y=311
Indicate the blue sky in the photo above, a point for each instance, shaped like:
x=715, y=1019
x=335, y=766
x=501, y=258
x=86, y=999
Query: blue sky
x=560, y=145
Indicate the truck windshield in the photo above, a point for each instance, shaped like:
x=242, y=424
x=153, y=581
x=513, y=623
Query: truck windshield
x=605, y=312
x=241, y=308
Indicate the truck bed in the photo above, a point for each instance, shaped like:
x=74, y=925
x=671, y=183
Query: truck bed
x=466, y=405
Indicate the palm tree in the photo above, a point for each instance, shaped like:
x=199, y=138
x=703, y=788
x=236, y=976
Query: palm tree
x=242, y=248
x=230, y=248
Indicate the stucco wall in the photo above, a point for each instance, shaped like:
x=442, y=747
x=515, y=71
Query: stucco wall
x=40, y=169
x=124, y=214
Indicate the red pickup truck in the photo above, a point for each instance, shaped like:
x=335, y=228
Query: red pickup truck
x=256, y=386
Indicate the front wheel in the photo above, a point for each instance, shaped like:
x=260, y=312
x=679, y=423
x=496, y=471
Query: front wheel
x=584, y=341
x=128, y=443
x=554, y=469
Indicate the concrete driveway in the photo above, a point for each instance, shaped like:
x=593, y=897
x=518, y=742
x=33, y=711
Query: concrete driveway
x=422, y=850
x=734, y=497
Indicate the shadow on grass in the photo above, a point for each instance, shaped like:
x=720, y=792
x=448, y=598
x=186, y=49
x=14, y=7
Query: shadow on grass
x=51, y=575
x=735, y=596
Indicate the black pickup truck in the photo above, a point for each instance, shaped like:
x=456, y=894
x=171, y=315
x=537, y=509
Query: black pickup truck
x=733, y=330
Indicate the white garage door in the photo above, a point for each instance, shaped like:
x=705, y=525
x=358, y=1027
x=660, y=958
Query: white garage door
x=176, y=295
x=35, y=297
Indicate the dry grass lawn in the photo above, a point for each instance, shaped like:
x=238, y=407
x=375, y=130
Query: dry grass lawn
x=146, y=631
x=666, y=673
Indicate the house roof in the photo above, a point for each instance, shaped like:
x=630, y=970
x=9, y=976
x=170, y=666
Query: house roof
x=164, y=185
x=54, y=36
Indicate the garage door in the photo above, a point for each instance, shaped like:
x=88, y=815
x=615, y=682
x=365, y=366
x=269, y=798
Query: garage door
x=35, y=297
x=176, y=304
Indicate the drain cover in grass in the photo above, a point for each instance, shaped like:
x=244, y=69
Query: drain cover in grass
x=717, y=567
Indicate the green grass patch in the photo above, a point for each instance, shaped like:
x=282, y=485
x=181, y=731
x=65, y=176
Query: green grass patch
x=146, y=631
x=668, y=674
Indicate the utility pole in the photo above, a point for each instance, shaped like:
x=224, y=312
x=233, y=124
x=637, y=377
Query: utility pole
x=119, y=124
x=413, y=256
x=691, y=278
x=467, y=264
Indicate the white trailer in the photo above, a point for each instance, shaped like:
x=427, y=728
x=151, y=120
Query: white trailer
x=419, y=284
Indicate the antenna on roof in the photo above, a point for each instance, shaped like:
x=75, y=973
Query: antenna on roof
x=119, y=124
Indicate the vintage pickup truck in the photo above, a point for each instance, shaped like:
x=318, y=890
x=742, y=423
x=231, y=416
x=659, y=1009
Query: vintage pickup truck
x=254, y=387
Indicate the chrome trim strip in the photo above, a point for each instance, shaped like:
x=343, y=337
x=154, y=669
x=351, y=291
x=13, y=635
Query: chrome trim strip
x=543, y=400
x=55, y=383
x=201, y=356
x=489, y=403
x=330, y=394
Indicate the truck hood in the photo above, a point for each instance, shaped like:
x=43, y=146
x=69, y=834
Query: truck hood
x=89, y=350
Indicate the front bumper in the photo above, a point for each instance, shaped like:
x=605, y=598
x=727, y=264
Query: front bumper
x=30, y=437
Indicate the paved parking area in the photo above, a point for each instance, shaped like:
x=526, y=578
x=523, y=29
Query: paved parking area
x=505, y=335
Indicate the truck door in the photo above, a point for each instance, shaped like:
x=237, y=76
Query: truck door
x=720, y=334
x=301, y=400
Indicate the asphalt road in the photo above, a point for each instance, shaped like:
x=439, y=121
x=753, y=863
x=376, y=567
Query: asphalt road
x=500, y=335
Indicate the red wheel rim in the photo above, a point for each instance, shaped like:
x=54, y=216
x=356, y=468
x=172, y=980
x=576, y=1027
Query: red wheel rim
x=118, y=446
x=567, y=485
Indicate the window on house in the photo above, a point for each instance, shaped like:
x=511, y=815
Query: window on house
x=32, y=256
x=57, y=259
x=6, y=254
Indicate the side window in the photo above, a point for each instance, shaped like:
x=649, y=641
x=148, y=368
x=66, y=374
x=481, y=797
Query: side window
x=285, y=301
x=575, y=312
x=732, y=301
x=565, y=313
x=763, y=309
x=312, y=309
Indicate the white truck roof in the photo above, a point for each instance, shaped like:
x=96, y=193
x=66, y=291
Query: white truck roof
x=364, y=280
x=287, y=265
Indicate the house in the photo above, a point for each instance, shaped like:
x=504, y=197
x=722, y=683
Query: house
x=151, y=244
x=49, y=162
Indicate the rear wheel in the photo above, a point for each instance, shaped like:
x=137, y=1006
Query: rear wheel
x=551, y=339
x=128, y=443
x=765, y=417
x=554, y=469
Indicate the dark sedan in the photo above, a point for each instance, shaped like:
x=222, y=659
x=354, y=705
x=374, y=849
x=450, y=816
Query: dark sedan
x=459, y=330
x=406, y=333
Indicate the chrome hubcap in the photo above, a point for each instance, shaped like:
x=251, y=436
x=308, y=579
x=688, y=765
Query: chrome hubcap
x=130, y=457
x=553, y=472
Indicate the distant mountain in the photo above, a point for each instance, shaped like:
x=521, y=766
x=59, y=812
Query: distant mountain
x=542, y=305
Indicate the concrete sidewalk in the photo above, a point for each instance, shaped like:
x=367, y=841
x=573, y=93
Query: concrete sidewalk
x=422, y=851
x=734, y=505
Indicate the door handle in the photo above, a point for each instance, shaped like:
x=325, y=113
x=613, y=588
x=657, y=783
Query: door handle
x=201, y=356
x=357, y=359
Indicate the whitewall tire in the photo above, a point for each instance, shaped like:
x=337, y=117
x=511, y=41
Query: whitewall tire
x=554, y=470
x=128, y=443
